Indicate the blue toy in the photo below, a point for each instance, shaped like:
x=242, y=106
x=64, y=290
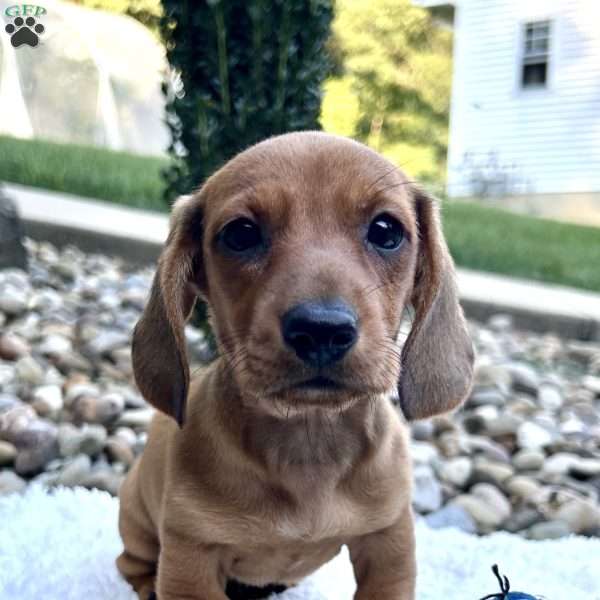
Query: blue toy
x=505, y=593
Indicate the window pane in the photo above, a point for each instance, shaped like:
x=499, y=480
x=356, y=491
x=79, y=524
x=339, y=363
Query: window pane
x=542, y=29
x=534, y=74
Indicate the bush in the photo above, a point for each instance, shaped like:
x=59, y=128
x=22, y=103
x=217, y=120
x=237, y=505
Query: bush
x=246, y=70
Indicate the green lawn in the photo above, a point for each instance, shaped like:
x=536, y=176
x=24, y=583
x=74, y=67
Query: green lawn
x=489, y=239
x=479, y=237
x=94, y=172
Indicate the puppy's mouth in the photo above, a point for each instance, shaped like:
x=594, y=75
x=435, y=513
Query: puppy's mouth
x=310, y=388
x=318, y=383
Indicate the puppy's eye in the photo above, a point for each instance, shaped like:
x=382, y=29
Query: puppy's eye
x=241, y=235
x=385, y=232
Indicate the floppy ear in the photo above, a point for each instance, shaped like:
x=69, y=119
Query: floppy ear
x=437, y=357
x=159, y=353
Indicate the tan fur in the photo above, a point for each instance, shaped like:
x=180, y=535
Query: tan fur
x=265, y=481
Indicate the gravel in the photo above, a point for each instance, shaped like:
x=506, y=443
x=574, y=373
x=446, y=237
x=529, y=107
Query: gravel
x=522, y=455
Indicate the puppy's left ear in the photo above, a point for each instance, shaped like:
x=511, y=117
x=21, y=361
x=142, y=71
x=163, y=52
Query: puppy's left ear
x=159, y=355
x=437, y=358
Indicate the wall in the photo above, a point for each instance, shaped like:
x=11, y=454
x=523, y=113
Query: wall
x=505, y=140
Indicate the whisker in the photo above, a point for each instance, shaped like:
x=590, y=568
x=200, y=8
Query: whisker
x=233, y=360
x=392, y=186
x=383, y=176
x=330, y=440
x=307, y=429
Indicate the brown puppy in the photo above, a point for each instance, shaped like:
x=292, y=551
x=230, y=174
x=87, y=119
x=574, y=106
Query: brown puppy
x=307, y=248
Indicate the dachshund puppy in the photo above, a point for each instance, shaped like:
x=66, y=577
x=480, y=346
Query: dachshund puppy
x=307, y=248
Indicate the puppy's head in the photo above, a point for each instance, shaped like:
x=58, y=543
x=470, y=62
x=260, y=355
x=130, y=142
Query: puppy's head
x=307, y=248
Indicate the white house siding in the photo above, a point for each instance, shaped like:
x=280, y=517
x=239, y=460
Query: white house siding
x=508, y=141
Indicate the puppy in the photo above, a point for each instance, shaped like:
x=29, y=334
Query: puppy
x=307, y=248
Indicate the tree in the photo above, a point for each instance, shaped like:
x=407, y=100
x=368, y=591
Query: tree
x=247, y=69
x=394, y=89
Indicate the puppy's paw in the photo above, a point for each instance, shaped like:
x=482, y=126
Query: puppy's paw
x=151, y=596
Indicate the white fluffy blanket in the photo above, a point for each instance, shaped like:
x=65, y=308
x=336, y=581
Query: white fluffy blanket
x=62, y=546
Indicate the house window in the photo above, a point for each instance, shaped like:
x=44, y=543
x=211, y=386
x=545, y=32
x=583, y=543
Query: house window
x=536, y=55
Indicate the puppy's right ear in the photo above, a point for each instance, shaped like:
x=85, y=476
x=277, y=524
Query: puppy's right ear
x=159, y=353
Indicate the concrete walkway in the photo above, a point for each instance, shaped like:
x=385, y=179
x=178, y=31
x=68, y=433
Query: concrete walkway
x=137, y=235
x=92, y=225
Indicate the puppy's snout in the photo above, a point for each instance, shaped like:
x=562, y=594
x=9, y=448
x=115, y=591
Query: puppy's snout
x=320, y=333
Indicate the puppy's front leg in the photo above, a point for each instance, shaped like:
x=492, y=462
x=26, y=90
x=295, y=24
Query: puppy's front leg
x=384, y=562
x=188, y=571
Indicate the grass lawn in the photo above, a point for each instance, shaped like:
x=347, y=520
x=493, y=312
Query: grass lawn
x=489, y=239
x=480, y=237
x=115, y=176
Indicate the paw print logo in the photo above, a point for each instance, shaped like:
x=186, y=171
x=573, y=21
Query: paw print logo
x=24, y=32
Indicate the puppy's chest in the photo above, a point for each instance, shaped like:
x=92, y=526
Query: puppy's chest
x=317, y=514
x=322, y=516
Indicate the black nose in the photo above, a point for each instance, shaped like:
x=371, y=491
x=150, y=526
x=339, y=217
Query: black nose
x=320, y=333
